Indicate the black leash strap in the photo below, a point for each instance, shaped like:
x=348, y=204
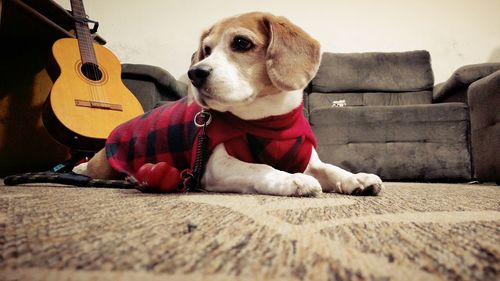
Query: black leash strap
x=65, y=178
x=192, y=178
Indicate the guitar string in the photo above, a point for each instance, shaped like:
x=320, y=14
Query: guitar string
x=92, y=66
x=98, y=73
x=93, y=63
x=78, y=12
x=89, y=73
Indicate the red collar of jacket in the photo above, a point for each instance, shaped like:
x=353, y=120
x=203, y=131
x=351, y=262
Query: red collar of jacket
x=284, y=142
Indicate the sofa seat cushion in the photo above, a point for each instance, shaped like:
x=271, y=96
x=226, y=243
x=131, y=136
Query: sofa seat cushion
x=380, y=72
x=318, y=100
x=414, y=142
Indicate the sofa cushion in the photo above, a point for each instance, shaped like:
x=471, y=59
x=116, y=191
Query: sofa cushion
x=413, y=142
x=389, y=72
x=317, y=100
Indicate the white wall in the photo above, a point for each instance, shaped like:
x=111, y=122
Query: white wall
x=165, y=32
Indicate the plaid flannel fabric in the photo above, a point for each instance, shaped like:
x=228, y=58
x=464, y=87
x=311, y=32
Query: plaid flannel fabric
x=168, y=134
x=165, y=134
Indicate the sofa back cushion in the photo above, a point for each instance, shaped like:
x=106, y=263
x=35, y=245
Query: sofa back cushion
x=374, y=72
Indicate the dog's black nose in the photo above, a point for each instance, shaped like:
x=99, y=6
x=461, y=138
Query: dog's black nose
x=198, y=74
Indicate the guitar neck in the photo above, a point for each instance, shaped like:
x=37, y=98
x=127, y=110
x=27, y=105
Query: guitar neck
x=85, y=40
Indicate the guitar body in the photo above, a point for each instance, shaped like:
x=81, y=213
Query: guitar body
x=86, y=104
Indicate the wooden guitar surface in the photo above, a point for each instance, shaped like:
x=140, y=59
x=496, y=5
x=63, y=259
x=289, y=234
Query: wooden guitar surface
x=87, y=108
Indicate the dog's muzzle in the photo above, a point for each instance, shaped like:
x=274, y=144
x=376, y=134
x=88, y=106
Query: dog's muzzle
x=199, y=74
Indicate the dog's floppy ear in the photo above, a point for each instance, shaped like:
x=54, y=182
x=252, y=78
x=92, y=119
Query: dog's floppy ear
x=199, y=54
x=293, y=56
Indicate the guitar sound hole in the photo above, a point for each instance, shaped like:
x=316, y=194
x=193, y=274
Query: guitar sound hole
x=91, y=71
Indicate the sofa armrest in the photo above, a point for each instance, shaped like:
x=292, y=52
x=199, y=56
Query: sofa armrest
x=484, y=103
x=455, y=88
x=151, y=84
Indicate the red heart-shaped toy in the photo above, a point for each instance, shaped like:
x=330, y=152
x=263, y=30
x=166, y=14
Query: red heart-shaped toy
x=159, y=177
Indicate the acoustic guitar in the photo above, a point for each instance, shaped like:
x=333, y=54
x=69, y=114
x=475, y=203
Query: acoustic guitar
x=88, y=98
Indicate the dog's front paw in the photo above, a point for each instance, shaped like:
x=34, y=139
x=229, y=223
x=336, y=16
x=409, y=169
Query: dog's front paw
x=305, y=185
x=296, y=185
x=361, y=184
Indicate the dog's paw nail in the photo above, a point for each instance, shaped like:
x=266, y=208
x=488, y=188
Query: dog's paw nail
x=357, y=191
x=372, y=190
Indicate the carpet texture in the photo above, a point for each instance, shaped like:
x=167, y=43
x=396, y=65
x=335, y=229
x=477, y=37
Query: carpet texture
x=410, y=232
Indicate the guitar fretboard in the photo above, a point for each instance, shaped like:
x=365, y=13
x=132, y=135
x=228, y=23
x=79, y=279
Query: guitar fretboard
x=85, y=40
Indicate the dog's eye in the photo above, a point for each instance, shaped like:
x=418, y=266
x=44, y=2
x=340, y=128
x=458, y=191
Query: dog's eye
x=241, y=44
x=207, y=50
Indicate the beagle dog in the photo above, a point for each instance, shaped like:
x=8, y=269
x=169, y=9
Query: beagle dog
x=253, y=68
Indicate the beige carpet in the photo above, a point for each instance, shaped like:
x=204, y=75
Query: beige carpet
x=409, y=232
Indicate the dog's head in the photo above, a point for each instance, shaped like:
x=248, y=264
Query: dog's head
x=249, y=56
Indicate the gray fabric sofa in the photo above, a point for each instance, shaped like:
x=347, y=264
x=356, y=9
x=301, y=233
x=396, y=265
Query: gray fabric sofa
x=395, y=123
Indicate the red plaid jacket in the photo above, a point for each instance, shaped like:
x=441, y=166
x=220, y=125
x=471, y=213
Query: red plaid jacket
x=168, y=134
